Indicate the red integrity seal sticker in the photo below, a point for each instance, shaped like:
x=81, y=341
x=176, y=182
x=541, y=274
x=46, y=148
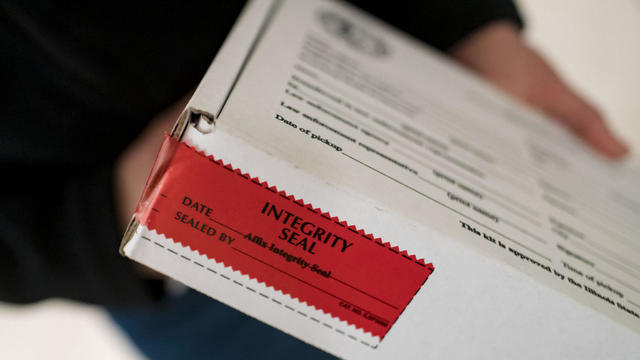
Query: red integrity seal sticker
x=268, y=235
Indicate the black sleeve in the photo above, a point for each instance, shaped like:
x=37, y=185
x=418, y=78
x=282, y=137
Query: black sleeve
x=60, y=239
x=441, y=23
x=79, y=82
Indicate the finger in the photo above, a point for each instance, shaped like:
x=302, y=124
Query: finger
x=580, y=117
x=498, y=53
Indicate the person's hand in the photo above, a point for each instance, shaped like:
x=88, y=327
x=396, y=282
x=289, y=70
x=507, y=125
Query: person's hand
x=134, y=165
x=498, y=53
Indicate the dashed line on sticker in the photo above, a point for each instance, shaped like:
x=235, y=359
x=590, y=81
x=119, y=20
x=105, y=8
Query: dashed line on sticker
x=266, y=296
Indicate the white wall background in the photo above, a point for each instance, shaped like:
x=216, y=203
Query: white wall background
x=594, y=44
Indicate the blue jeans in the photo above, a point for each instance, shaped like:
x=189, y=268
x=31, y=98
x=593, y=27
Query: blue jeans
x=193, y=326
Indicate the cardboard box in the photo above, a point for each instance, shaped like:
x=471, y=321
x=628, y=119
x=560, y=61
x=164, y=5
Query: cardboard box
x=327, y=164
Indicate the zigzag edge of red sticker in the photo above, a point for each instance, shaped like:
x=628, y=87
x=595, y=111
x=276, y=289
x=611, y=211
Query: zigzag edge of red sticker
x=283, y=242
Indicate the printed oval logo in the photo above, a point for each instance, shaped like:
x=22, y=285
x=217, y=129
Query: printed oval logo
x=353, y=34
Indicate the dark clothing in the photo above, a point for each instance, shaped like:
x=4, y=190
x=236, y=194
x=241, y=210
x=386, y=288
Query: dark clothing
x=79, y=83
x=192, y=326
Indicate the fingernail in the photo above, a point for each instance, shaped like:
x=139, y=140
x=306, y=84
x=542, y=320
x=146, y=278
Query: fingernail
x=615, y=148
